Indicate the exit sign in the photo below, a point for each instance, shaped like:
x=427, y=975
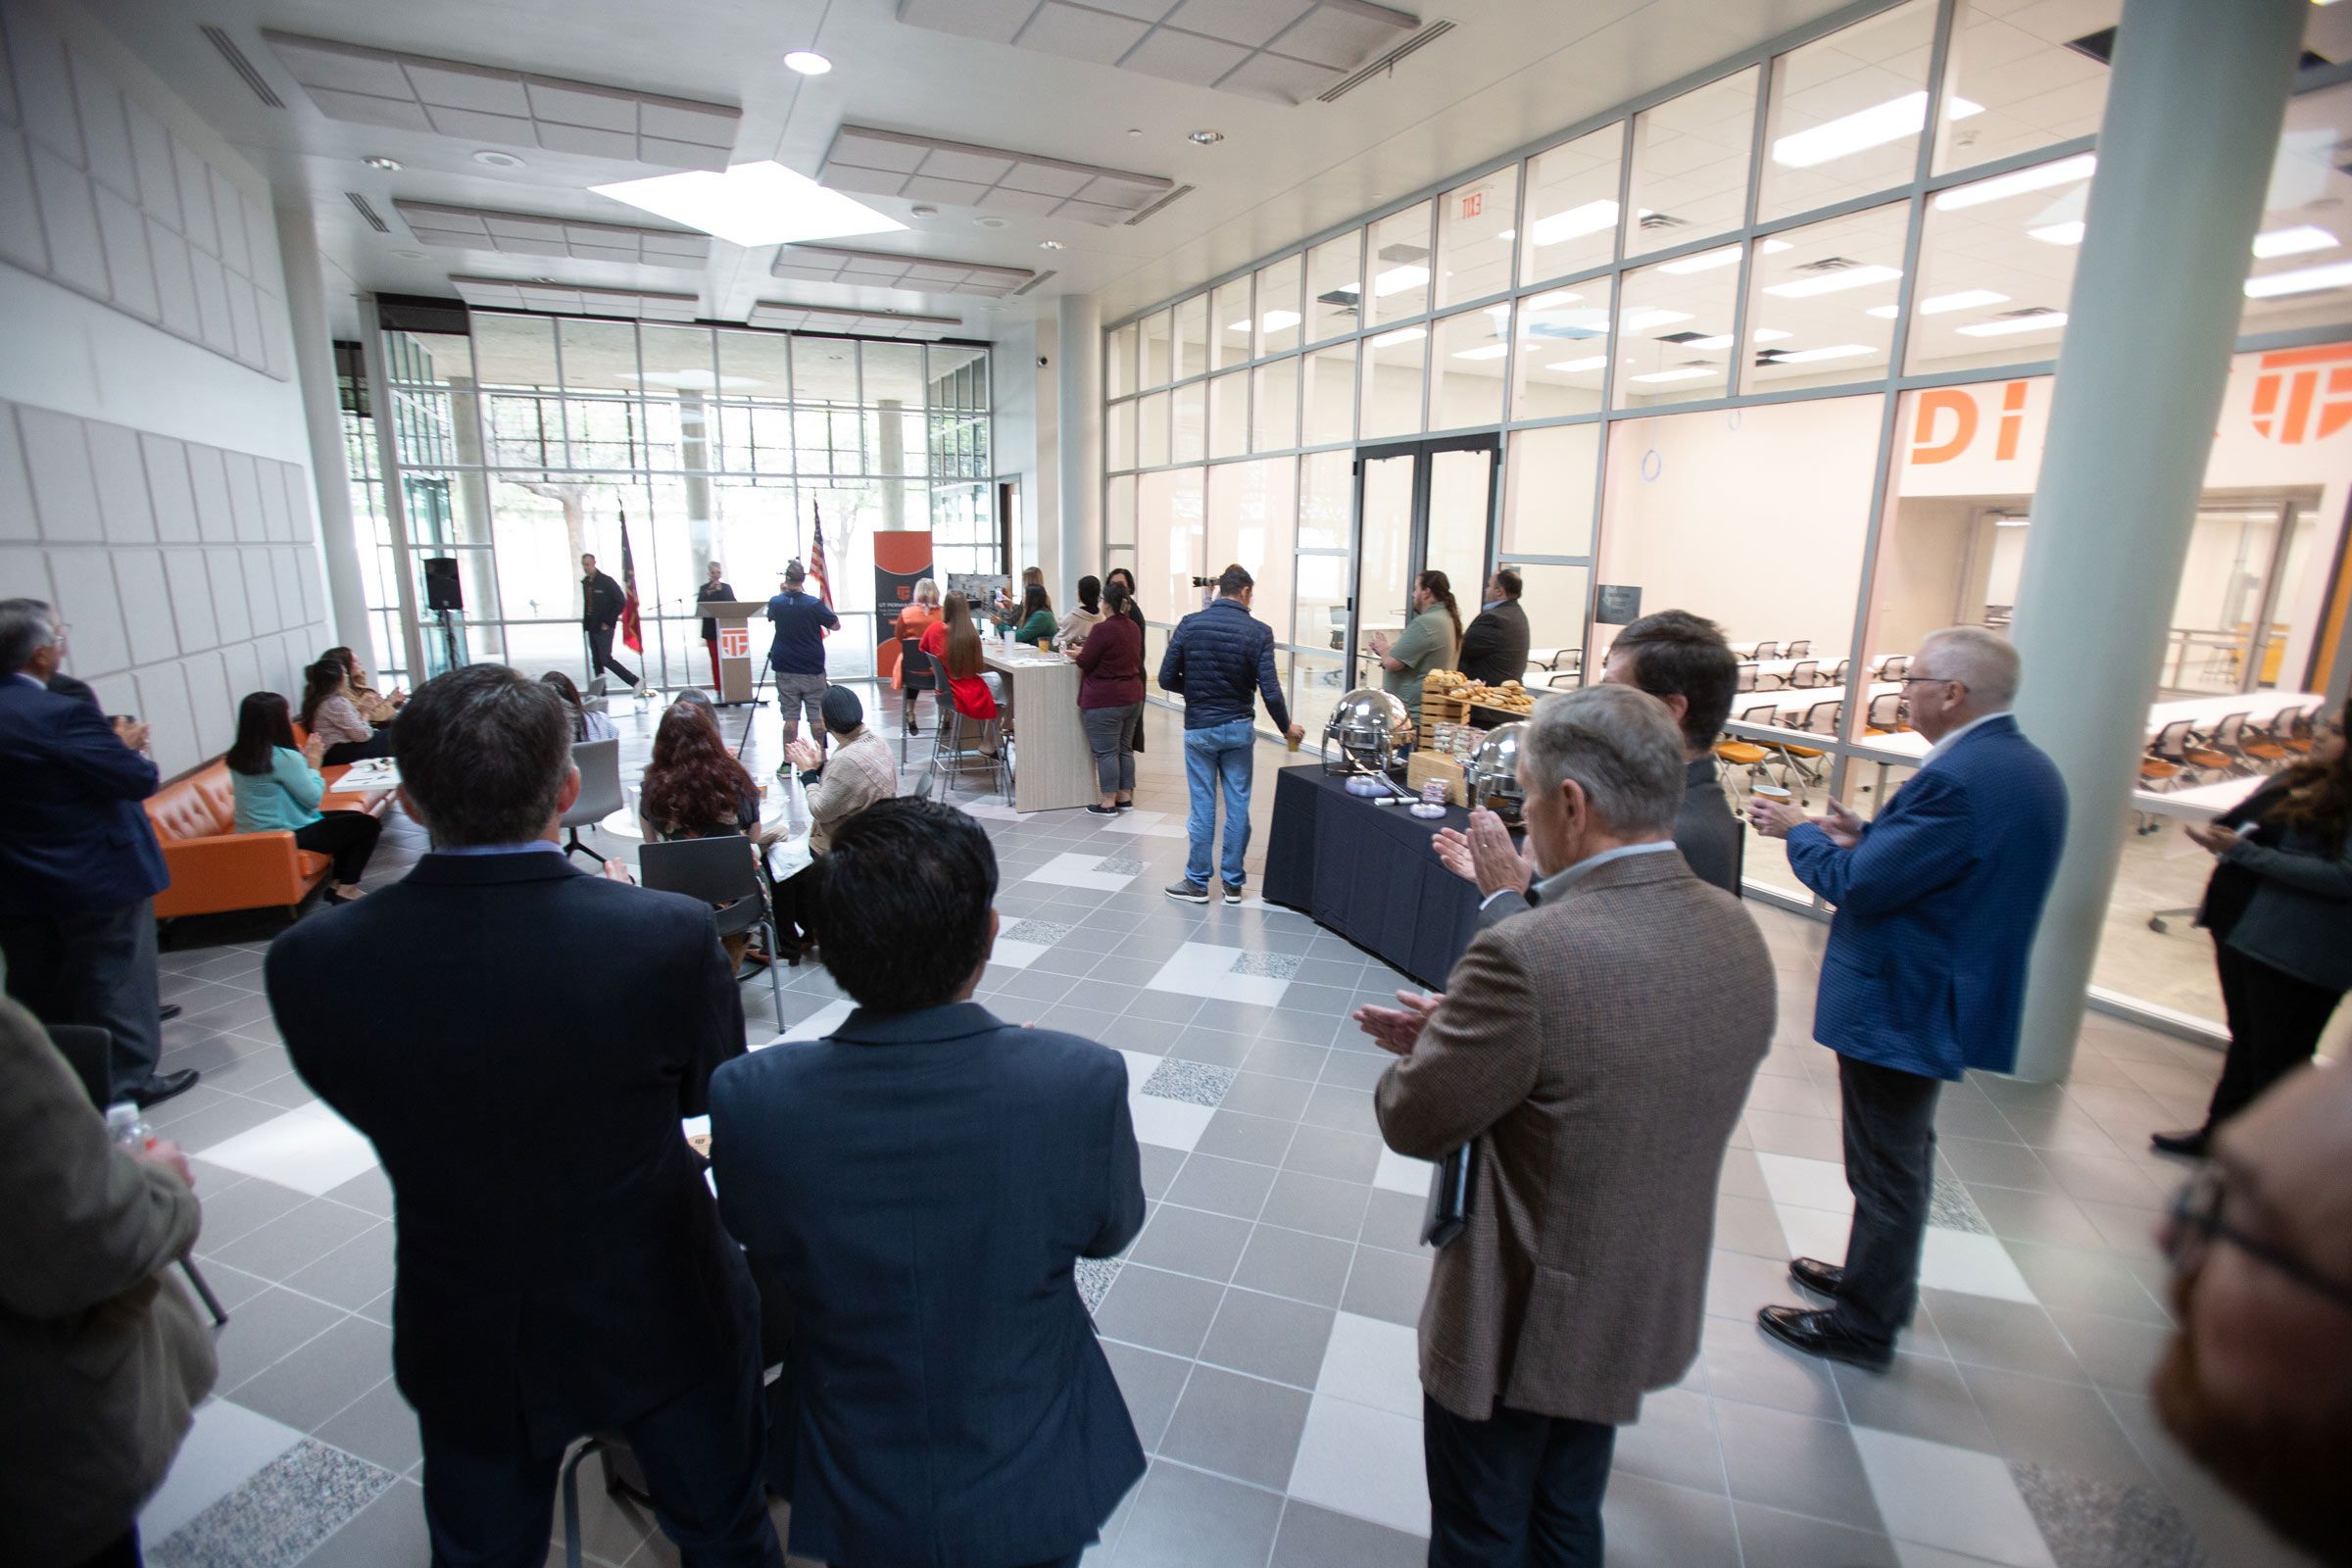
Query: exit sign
x=1474, y=204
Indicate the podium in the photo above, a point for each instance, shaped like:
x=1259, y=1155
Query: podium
x=737, y=644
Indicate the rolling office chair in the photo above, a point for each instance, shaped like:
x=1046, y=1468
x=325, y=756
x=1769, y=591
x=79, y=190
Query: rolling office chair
x=599, y=763
x=1797, y=649
x=2179, y=744
x=1804, y=762
x=1805, y=675
x=1887, y=714
x=2230, y=739
x=1893, y=668
x=2258, y=746
x=1746, y=679
x=1769, y=650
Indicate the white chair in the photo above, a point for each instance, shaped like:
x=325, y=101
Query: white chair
x=599, y=763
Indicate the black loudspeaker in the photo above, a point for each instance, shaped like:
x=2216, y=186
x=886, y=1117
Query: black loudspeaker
x=441, y=588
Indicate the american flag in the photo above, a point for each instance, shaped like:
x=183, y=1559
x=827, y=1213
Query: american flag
x=817, y=557
x=632, y=632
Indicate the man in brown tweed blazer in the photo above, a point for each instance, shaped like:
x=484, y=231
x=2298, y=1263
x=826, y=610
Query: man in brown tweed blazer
x=1598, y=1048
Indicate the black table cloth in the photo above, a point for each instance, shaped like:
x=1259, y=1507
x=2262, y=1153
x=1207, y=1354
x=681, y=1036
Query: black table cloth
x=1366, y=872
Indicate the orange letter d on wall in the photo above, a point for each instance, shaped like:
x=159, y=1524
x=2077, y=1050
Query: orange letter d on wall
x=1933, y=404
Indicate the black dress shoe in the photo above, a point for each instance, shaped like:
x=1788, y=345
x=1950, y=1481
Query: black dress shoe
x=2190, y=1142
x=163, y=1086
x=167, y=1011
x=1824, y=1279
x=1818, y=1333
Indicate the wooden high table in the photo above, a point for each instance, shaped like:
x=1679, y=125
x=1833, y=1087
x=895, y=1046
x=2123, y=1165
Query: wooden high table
x=1053, y=770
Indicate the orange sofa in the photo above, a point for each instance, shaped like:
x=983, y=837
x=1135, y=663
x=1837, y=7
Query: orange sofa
x=214, y=868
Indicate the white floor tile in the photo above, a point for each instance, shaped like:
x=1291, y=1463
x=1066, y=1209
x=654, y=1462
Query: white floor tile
x=1813, y=1232
x=1911, y=1554
x=227, y=1448
x=1357, y=1460
x=1017, y=955
x=1955, y=1499
x=1371, y=1362
x=1402, y=1173
x=1169, y=1123
x=1953, y=1260
x=1806, y=1182
x=1076, y=870
x=1206, y=969
x=820, y=1023
x=1148, y=824
x=1141, y=1066
x=311, y=1149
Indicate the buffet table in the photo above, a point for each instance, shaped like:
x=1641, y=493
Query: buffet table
x=1367, y=872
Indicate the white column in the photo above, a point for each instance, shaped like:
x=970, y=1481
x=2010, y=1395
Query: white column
x=2194, y=106
x=322, y=412
x=1078, y=361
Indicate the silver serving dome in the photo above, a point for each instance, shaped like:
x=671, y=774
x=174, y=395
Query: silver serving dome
x=1491, y=778
x=1366, y=727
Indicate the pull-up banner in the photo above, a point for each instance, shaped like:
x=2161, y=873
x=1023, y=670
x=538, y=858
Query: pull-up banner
x=902, y=559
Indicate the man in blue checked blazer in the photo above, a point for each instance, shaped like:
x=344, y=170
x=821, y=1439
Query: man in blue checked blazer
x=1925, y=975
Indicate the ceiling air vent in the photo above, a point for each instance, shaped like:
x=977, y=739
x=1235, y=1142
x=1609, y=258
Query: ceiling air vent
x=1032, y=283
x=1658, y=221
x=2100, y=46
x=1828, y=263
x=374, y=219
x=1386, y=63
x=1160, y=204
x=240, y=64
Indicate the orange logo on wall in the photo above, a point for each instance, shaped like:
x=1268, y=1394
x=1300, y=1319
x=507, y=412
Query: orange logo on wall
x=1929, y=442
x=2304, y=394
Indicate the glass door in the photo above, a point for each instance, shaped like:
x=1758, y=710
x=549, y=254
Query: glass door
x=1420, y=506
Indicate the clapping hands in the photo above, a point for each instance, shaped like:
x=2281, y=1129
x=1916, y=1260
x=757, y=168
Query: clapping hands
x=1485, y=855
x=1398, y=1029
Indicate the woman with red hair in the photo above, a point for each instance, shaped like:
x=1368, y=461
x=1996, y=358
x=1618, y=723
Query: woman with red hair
x=693, y=787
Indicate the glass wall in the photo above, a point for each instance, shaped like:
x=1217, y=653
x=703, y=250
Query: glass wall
x=1776, y=349
x=531, y=440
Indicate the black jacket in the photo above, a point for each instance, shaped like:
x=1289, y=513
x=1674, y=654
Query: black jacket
x=703, y=596
x=601, y=601
x=1220, y=660
x=561, y=1263
x=1494, y=645
x=919, y=1186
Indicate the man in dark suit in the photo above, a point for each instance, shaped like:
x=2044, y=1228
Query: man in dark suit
x=600, y=604
x=1599, y=1048
x=1683, y=661
x=80, y=867
x=922, y=1184
x=562, y=1269
x=1494, y=644
x=1938, y=900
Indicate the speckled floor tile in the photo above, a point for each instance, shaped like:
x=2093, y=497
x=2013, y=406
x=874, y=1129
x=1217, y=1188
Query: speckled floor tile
x=1271, y=965
x=1045, y=933
x=1195, y=1083
x=277, y=1517
x=1951, y=1207
x=1094, y=1276
x=1120, y=865
x=2099, y=1523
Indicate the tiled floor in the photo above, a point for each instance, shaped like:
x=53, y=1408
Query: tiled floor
x=1261, y=1325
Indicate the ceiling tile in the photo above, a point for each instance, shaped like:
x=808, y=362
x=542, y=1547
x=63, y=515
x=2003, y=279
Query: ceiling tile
x=1280, y=78
x=1245, y=22
x=1088, y=213
x=957, y=192
x=1140, y=10
x=949, y=164
x=1345, y=36
x=559, y=138
x=863, y=181
x=342, y=67
x=447, y=83
x=933, y=273
x=627, y=257
x=473, y=125
x=676, y=120
x=1082, y=35
x=399, y=114
x=663, y=153
x=570, y=104
x=804, y=274
x=511, y=226
x=1046, y=179
x=450, y=238
x=877, y=149
x=1027, y=204
x=532, y=247
x=692, y=246
x=1127, y=193
x=994, y=21
x=423, y=214
x=1185, y=57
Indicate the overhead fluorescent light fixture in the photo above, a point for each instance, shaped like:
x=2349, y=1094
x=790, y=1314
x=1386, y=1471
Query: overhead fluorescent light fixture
x=1557, y=297
x=2040, y=320
x=1404, y=334
x=1271, y=321
x=751, y=205
x=1863, y=129
x=1644, y=320
x=1885, y=312
x=1837, y=282
x=1691, y=373
x=1842, y=351
x=1769, y=334
x=1490, y=351
x=2294, y=241
x=2069, y=232
x=1722, y=340
x=1396, y=279
x=2043, y=177
x=2012, y=522
x=2302, y=280
x=1704, y=260
x=1968, y=299
x=1591, y=362
x=1574, y=224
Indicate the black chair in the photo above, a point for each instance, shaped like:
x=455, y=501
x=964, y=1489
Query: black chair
x=950, y=754
x=87, y=1049
x=723, y=872
x=914, y=680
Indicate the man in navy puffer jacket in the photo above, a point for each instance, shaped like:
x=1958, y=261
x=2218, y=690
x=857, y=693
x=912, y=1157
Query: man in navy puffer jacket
x=1215, y=659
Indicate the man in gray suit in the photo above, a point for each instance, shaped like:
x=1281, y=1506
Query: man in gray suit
x=1683, y=661
x=1599, y=1048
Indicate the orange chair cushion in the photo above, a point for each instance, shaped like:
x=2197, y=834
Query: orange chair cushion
x=1740, y=753
x=214, y=868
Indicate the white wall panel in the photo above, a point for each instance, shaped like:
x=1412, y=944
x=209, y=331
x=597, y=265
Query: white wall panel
x=25, y=574
x=21, y=239
x=17, y=519
x=191, y=589
x=207, y=474
x=235, y=622
x=69, y=219
x=260, y=592
x=272, y=499
x=57, y=454
x=121, y=477
x=171, y=727
x=146, y=605
x=244, y=664
x=166, y=462
x=43, y=85
x=212, y=299
x=117, y=693
x=245, y=497
x=84, y=581
x=195, y=178
x=210, y=702
x=301, y=504
x=286, y=580
x=122, y=231
x=151, y=151
x=174, y=283
x=105, y=134
x=245, y=319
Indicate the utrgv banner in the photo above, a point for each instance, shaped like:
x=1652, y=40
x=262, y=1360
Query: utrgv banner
x=902, y=559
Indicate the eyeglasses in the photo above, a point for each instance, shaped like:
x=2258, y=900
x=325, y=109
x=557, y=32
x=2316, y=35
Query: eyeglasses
x=2197, y=1222
x=1933, y=680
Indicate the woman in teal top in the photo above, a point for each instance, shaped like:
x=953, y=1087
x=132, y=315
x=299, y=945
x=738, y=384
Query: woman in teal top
x=1431, y=640
x=279, y=789
x=1038, y=626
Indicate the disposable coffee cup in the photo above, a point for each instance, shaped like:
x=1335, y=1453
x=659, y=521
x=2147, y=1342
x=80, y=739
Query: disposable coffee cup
x=1772, y=793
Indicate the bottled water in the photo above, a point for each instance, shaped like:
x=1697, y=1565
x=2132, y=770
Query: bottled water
x=128, y=1127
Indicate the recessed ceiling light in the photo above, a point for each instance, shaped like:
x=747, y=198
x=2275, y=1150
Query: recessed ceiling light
x=1641, y=320
x=807, y=61
x=924, y=211
x=2293, y=241
x=1490, y=351
x=1768, y=334
x=497, y=160
x=1589, y=218
x=2069, y=232
x=388, y=165
x=1049, y=245
x=1403, y=334
x=988, y=223
x=751, y=204
x=410, y=256
x=1205, y=138
x=1842, y=351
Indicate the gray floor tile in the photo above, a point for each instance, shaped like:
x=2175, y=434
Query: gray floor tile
x=1316, y=1537
x=2066, y=1426
x=2012, y=1336
x=2117, y=1353
x=1294, y=1263
x=1304, y=1028
x=1770, y=1539
x=1160, y=1165
x=216, y=1121
x=1339, y=1106
x=1237, y=1135
x=1186, y=1241
x=1158, y=1310
x=1674, y=1442
x=1750, y=1225
x=1742, y=1363
x=1386, y=1285
x=1215, y=1045
x=1285, y=1059
x=1169, y=1007
x=1269, y=1337
x=1918, y=1396
x=1234, y=1017
x=351, y=1275
x=1222, y=1186
x=1652, y=1525
x=379, y=1426
x=295, y=1240
x=1330, y=1152
x=1183, y=1518
x=241, y=1210
x=1794, y=1463
x=370, y=1189
x=1149, y=1382
x=1393, y=1220
x=1301, y=1201
x=389, y=1530
x=321, y=1377
x=1356, y=1069
x=265, y=1328
x=1241, y=1427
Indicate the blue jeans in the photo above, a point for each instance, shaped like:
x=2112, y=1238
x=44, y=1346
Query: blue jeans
x=1221, y=750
